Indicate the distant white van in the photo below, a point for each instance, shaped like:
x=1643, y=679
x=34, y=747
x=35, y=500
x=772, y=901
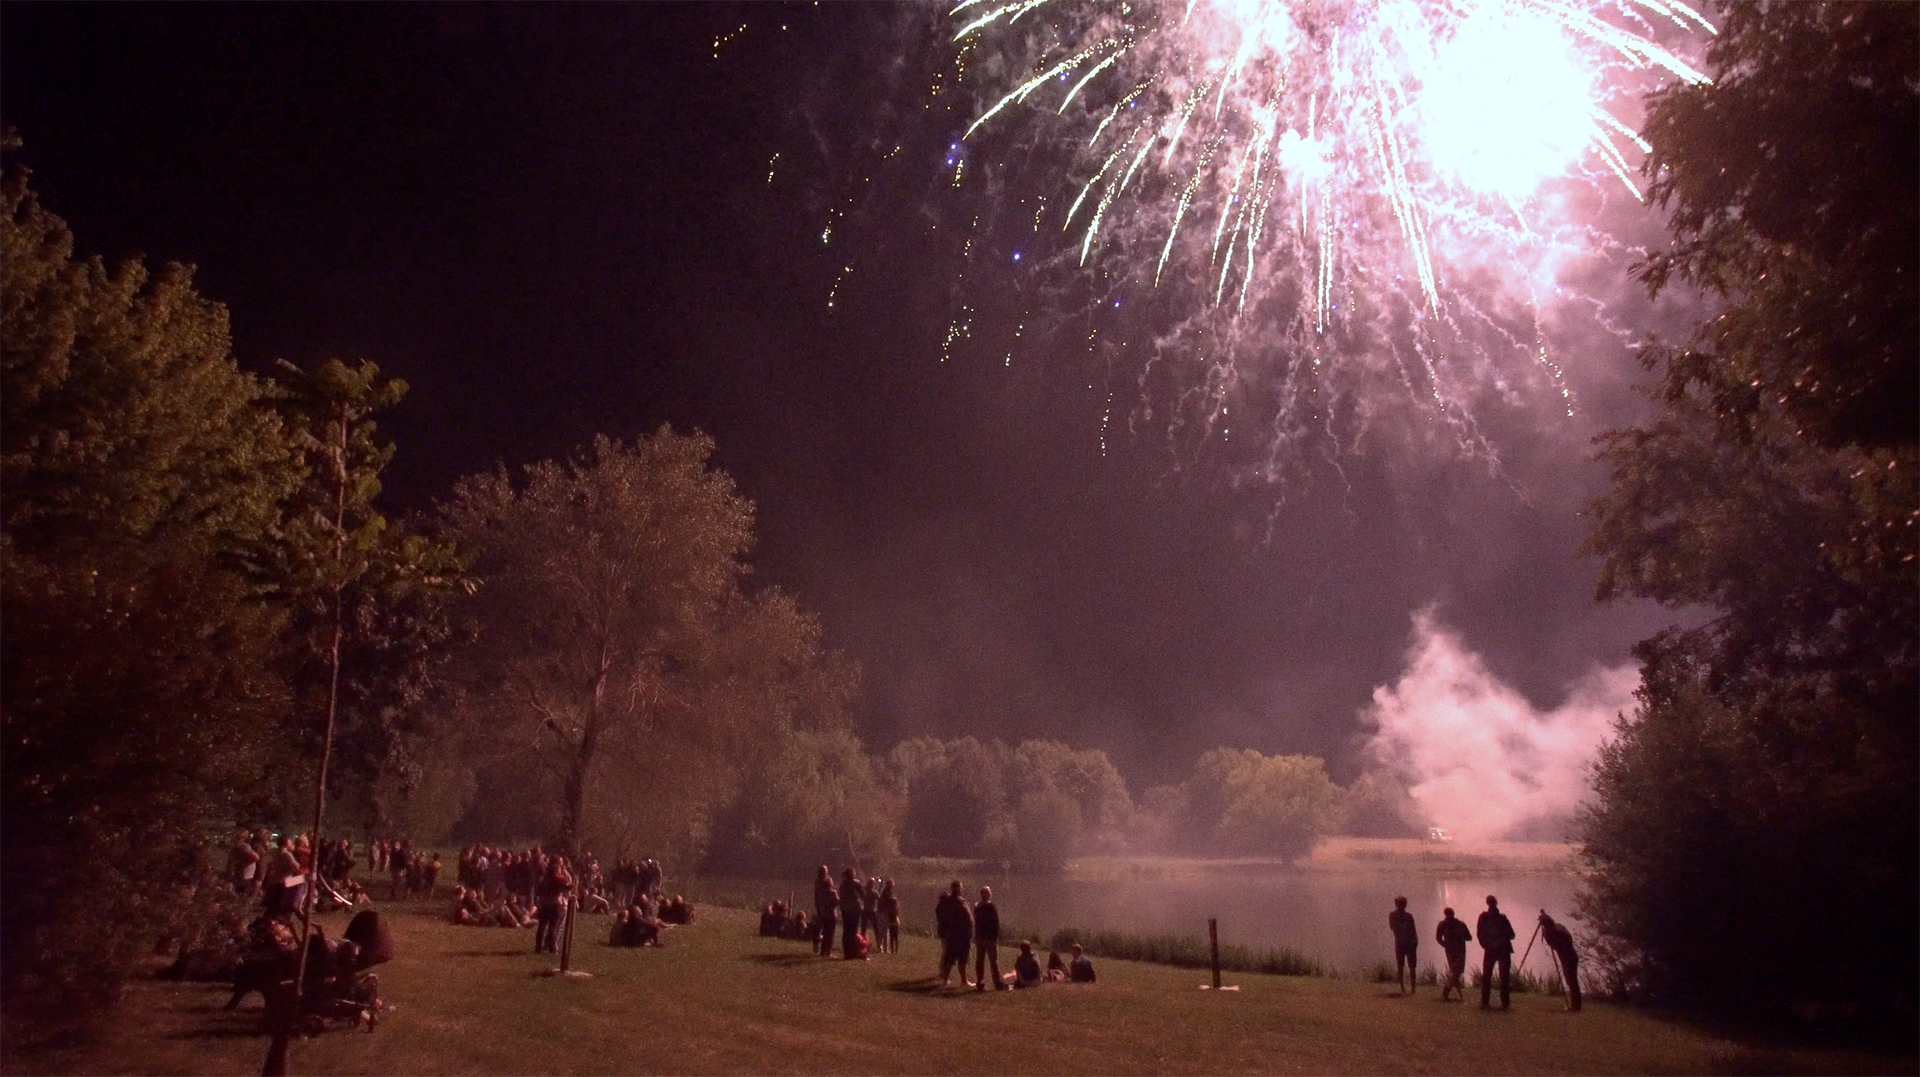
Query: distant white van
x=1438, y=836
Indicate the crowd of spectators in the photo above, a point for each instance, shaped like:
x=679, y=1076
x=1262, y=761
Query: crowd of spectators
x=281, y=870
x=532, y=888
x=495, y=887
x=867, y=915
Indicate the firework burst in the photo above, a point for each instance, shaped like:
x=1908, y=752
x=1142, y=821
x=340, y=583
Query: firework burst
x=1320, y=194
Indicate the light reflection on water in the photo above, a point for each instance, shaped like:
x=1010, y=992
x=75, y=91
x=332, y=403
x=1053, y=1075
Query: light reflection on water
x=1337, y=917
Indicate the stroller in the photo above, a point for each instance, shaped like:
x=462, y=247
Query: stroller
x=328, y=898
x=339, y=987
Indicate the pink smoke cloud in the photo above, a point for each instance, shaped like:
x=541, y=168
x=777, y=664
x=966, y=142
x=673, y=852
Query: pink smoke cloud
x=1474, y=755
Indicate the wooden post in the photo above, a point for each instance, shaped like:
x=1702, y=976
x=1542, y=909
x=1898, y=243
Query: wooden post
x=566, y=931
x=276, y=1061
x=1213, y=936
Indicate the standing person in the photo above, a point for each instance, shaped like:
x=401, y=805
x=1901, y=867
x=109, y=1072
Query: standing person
x=853, y=898
x=285, y=885
x=825, y=901
x=1496, y=949
x=497, y=866
x=870, y=911
x=243, y=864
x=1453, y=936
x=343, y=863
x=550, y=904
x=1560, y=941
x=889, y=912
x=621, y=881
x=1406, y=946
x=396, y=870
x=954, y=921
x=986, y=941
x=262, y=845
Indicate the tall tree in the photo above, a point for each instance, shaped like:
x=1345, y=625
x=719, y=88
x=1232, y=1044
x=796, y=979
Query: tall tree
x=805, y=790
x=366, y=593
x=601, y=585
x=1766, y=790
x=1788, y=181
x=140, y=692
x=955, y=792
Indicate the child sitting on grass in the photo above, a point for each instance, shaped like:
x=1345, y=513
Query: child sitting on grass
x=1026, y=967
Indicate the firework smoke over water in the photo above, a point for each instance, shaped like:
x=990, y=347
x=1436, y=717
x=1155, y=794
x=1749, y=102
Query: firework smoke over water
x=1321, y=205
x=1474, y=755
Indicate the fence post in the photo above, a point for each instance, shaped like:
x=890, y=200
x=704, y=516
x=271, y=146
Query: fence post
x=1213, y=936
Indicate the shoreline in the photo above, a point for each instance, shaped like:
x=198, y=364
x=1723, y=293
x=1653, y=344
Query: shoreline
x=1339, y=855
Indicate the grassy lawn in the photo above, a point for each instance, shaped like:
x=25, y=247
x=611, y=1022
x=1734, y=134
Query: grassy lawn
x=719, y=999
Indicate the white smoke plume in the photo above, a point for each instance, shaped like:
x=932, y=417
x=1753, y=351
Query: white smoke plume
x=1474, y=755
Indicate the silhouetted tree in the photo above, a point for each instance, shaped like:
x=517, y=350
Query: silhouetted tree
x=1763, y=796
x=141, y=696
x=1788, y=181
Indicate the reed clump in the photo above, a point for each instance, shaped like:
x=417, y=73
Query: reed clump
x=1186, y=951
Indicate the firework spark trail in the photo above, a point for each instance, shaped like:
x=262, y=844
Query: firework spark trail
x=1308, y=132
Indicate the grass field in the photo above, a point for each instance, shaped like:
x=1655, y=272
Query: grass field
x=719, y=999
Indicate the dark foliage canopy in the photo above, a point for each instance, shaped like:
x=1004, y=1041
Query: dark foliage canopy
x=164, y=562
x=138, y=671
x=1765, y=793
x=1789, y=184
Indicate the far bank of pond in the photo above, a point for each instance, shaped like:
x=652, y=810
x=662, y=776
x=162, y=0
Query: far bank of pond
x=1333, y=907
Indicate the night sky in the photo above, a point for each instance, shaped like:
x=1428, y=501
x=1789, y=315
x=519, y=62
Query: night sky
x=555, y=221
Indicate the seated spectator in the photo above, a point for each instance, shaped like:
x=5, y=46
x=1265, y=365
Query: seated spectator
x=467, y=908
x=517, y=912
x=1056, y=969
x=798, y=929
x=635, y=928
x=1080, y=969
x=269, y=956
x=677, y=911
x=770, y=921
x=373, y=938
x=594, y=901
x=1026, y=967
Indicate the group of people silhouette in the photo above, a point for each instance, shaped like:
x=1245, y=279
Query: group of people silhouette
x=1496, y=952
x=868, y=918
